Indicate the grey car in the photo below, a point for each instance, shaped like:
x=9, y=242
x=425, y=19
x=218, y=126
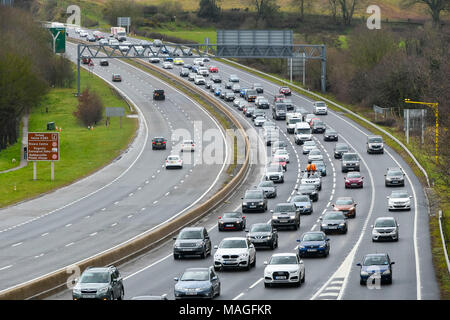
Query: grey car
x=192, y=241
x=99, y=283
x=375, y=144
x=229, y=96
x=269, y=188
x=340, y=149
x=385, y=228
x=350, y=161
x=303, y=204
x=318, y=127
x=333, y=221
x=394, y=177
x=197, y=283
x=263, y=235
x=308, y=146
x=254, y=200
x=233, y=78
x=330, y=135
x=285, y=215
x=310, y=190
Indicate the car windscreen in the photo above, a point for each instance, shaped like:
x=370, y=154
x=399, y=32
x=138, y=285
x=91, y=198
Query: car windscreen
x=333, y=216
x=350, y=157
x=263, y=227
x=266, y=184
x=280, y=106
x=375, y=260
x=344, y=202
x=197, y=275
x=315, y=152
x=341, y=147
x=300, y=199
x=384, y=223
x=294, y=120
x=284, y=208
x=318, y=163
x=309, y=144
x=232, y=215
x=253, y=195
x=399, y=194
x=353, y=175
x=251, y=92
x=375, y=140
x=172, y=158
x=313, y=237
x=233, y=243
x=95, y=277
x=320, y=104
x=303, y=131
x=318, y=123
x=283, y=260
x=190, y=234
x=307, y=187
x=273, y=169
x=395, y=173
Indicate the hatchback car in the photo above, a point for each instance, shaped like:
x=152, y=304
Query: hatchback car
x=197, y=283
x=399, y=200
x=263, y=235
x=237, y=252
x=312, y=178
x=340, y=149
x=314, y=243
x=159, y=94
x=254, y=200
x=285, y=215
x=330, y=135
x=318, y=127
x=310, y=190
x=174, y=161
x=274, y=173
x=285, y=90
x=188, y=145
x=258, y=87
x=394, y=177
x=269, y=188
x=284, y=268
x=281, y=155
x=116, y=77
x=229, y=96
x=346, y=205
x=192, y=241
x=308, y=146
x=232, y=221
x=354, y=180
x=99, y=283
x=314, y=155
x=159, y=143
x=216, y=79
x=333, y=221
x=104, y=62
x=385, y=228
x=376, y=266
x=303, y=204
x=259, y=121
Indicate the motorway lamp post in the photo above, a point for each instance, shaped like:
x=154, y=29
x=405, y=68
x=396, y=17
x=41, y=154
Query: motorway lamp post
x=434, y=105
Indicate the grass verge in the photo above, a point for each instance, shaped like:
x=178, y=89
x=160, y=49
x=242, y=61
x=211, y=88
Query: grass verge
x=12, y=152
x=82, y=151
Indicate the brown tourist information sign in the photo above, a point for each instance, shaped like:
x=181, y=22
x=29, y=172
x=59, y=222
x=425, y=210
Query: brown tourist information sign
x=43, y=146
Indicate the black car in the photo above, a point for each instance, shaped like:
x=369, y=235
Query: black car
x=376, y=266
x=258, y=87
x=394, y=177
x=184, y=72
x=192, y=241
x=254, y=200
x=263, y=235
x=188, y=66
x=216, y=78
x=330, y=135
x=232, y=221
x=340, y=149
x=159, y=143
x=333, y=221
x=104, y=62
x=309, y=190
x=158, y=94
x=229, y=96
x=318, y=127
x=228, y=85
x=285, y=215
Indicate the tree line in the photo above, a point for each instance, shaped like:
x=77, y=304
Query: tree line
x=28, y=69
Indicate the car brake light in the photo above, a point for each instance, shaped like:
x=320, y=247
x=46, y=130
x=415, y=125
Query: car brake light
x=164, y=142
x=220, y=217
x=167, y=160
x=192, y=144
x=243, y=217
x=153, y=142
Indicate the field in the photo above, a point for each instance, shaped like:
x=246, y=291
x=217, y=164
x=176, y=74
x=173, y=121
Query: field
x=82, y=151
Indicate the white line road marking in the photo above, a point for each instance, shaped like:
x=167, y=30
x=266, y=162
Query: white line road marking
x=333, y=288
x=155, y=202
x=116, y=203
x=87, y=217
x=114, y=224
x=17, y=244
x=93, y=234
x=69, y=244
x=44, y=234
x=142, y=209
x=329, y=294
x=103, y=209
x=313, y=227
x=131, y=194
x=38, y=256
x=254, y=285
x=238, y=296
x=7, y=267
x=130, y=216
x=68, y=225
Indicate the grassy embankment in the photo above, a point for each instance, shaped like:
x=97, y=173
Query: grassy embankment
x=82, y=151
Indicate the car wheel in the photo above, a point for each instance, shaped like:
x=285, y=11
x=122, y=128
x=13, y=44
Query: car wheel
x=304, y=276
x=203, y=254
x=111, y=296
x=362, y=282
x=267, y=285
x=390, y=280
x=176, y=256
x=248, y=265
x=254, y=262
x=122, y=294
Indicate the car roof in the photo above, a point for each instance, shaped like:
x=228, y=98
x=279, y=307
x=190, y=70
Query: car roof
x=197, y=269
x=284, y=254
x=234, y=238
x=376, y=255
x=344, y=198
x=192, y=229
x=98, y=269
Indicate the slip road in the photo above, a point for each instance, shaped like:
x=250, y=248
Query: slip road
x=247, y=309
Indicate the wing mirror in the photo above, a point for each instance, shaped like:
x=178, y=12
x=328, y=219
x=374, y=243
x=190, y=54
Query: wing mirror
x=266, y=263
x=216, y=247
x=359, y=264
x=271, y=211
x=175, y=279
x=174, y=238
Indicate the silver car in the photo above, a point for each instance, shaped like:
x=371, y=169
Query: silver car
x=312, y=178
x=385, y=228
x=399, y=200
x=308, y=146
x=315, y=155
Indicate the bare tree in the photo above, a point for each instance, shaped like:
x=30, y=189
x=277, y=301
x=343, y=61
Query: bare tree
x=264, y=9
x=333, y=7
x=434, y=6
x=347, y=8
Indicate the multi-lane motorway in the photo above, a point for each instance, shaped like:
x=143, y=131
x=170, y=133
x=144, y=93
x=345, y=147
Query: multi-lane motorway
x=333, y=277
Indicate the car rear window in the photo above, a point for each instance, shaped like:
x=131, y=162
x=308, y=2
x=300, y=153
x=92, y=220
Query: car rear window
x=190, y=234
x=233, y=243
x=232, y=215
x=284, y=207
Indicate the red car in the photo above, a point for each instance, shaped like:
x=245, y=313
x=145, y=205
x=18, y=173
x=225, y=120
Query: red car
x=280, y=162
x=116, y=77
x=285, y=90
x=312, y=121
x=213, y=69
x=346, y=205
x=354, y=180
x=278, y=97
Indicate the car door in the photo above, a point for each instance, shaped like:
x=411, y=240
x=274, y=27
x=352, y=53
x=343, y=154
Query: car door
x=214, y=279
x=113, y=281
x=251, y=250
x=207, y=240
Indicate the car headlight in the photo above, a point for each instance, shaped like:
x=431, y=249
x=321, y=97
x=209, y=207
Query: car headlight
x=243, y=255
x=324, y=224
x=363, y=273
x=292, y=216
x=103, y=290
x=387, y=271
x=294, y=272
x=301, y=247
x=261, y=203
x=308, y=206
x=244, y=203
x=342, y=224
x=268, y=237
x=322, y=246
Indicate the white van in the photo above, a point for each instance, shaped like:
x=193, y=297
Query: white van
x=302, y=132
x=291, y=121
x=320, y=107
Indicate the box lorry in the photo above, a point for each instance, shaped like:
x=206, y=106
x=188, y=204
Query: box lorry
x=119, y=33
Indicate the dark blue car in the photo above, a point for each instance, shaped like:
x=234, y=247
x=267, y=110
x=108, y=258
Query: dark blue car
x=197, y=283
x=314, y=243
x=218, y=91
x=376, y=266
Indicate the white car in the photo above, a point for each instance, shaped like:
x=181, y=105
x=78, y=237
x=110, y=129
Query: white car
x=174, y=161
x=203, y=71
x=188, y=145
x=281, y=155
x=308, y=146
x=237, y=101
x=312, y=178
x=315, y=155
x=191, y=76
x=83, y=34
x=309, y=116
x=77, y=30
x=154, y=60
x=103, y=42
x=284, y=268
x=399, y=200
x=199, y=61
x=319, y=107
x=236, y=252
x=199, y=80
x=167, y=65
x=259, y=121
x=139, y=50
